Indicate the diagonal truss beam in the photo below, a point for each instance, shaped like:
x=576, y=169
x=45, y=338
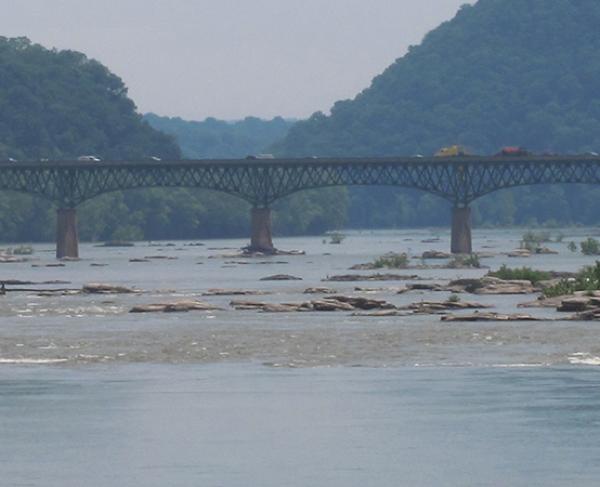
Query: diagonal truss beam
x=261, y=182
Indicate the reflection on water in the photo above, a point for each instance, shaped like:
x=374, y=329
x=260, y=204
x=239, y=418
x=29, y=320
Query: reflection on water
x=157, y=425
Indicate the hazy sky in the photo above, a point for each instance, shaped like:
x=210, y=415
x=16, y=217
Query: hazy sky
x=232, y=58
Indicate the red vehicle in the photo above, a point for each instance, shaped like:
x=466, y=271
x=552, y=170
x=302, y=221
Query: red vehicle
x=513, y=152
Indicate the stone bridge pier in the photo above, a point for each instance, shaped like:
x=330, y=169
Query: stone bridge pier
x=67, y=239
x=261, y=239
x=461, y=242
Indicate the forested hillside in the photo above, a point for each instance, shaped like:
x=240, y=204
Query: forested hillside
x=502, y=72
x=60, y=104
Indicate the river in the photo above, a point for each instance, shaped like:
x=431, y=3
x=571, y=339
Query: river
x=93, y=395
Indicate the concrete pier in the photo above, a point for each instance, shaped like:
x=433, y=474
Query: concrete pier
x=261, y=239
x=67, y=240
x=461, y=231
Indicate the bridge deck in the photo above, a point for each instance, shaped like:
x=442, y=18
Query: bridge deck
x=307, y=161
x=459, y=180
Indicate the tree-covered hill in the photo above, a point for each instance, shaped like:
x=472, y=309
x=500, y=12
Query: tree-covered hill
x=220, y=139
x=502, y=72
x=60, y=104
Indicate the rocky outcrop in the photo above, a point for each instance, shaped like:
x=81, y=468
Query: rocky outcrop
x=492, y=285
x=363, y=267
x=161, y=257
x=248, y=252
x=383, y=313
x=359, y=302
x=424, y=286
x=578, y=303
x=319, y=290
x=395, y=289
x=491, y=317
x=435, y=254
x=585, y=305
x=11, y=259
x=543, y=302
x=333, y=303
x=519, y=253
x=97, y=288
x=369, y=277
x=434, y=307
x=174, y=307
x=588, y=315
x=234, y=292
x=281, y=277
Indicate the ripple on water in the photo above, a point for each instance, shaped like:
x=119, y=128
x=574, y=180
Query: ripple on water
x=32, y=361
x=582, y=358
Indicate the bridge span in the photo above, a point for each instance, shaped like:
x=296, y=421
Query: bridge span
x=261, y=182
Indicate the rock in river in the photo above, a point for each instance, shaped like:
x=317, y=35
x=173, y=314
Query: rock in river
x=334, y=303
x=234, y=292
x=281, y=277
x=174, y=307
x=491, y=317
x=369, y=277
x=97, y=288
x=432, y=307
x=492, y=285
x=319, y=290
x=435, y=254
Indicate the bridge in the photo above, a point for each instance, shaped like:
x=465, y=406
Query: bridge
x=459, y=180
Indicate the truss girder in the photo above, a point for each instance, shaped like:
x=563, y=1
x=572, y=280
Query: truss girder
x=459, y=180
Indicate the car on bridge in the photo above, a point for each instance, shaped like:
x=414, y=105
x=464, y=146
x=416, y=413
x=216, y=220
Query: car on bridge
x=260, y=156
x=89, y=158
x=513, y=151
x=452, y=151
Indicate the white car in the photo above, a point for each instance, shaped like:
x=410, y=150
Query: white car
x=89, y=158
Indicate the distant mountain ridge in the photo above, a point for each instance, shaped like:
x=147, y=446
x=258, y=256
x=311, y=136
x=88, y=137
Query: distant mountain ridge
x=502, y=72
x=221, y=139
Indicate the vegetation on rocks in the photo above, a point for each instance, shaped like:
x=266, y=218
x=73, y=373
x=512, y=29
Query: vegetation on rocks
x=391, y=261
x=588, y=279
x=590, y=246
x=465, y=261
x=520, y=273
x=533, y=240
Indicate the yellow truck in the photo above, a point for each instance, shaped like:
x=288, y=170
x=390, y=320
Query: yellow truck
x=452, y=151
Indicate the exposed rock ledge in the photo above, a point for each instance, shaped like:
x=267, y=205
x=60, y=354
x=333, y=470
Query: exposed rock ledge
x=491, y=317
x=234, y=292
x=281, y=277
x=433, y=307
x=174, y=307
x=98, y=288
x=370, y=277
x=333, y=303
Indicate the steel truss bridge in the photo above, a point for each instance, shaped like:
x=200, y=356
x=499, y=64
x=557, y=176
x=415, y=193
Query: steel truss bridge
x=459, y=180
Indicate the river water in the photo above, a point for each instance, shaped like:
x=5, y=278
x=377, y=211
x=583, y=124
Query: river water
x=93, y=395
